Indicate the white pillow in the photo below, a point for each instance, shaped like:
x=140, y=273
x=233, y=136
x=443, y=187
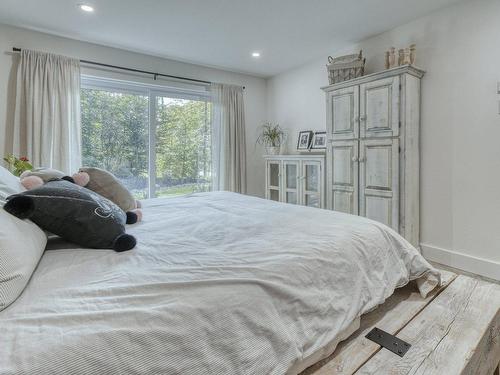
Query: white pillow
x=9, y=184
x=21, y=246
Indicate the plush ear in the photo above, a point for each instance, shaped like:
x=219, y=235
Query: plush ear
x=124, y=242
x=81, y=178
x=134, y=215
x=31, y=182
x=20, y=206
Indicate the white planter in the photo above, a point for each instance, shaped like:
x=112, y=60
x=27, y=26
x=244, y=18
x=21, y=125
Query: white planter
x=273, y=150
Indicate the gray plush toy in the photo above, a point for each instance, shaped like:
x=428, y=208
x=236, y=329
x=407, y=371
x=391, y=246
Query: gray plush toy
x=75, y=214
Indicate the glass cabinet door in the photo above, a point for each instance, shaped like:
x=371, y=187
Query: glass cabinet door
x=311, y=183
x=291, y=176
x=273, y=180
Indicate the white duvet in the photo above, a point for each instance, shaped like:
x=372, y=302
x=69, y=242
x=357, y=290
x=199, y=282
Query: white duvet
x=219, y=283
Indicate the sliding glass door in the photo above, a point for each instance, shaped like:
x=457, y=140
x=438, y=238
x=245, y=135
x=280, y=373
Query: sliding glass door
x=182, y=149
x=115, y=136
x=157, y=142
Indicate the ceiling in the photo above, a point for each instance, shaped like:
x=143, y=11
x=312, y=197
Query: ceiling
x=220, y=33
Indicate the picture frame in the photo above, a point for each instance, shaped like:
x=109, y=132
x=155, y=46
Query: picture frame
x=319, y=141
x=304, y=140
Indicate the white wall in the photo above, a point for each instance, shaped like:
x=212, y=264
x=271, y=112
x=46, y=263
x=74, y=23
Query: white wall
x=255, y=92
x=460, y=151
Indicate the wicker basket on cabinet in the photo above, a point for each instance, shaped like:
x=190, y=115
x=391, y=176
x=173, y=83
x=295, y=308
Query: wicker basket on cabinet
x=345, y=67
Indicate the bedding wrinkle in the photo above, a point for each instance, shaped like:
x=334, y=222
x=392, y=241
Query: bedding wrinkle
x=219, y=283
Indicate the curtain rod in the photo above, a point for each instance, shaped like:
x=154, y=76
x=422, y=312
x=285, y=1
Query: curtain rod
x=155, y=75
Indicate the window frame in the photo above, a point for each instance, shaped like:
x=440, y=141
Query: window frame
x=152, y=92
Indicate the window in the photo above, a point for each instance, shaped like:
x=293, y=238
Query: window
x=156, y=141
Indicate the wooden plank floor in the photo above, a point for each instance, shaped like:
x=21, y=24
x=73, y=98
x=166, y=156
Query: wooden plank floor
x=458, y=333
x=393, y=315
x=455, y=330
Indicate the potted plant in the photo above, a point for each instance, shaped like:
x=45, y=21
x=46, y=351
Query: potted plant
x=272, y=137
x=18, y=165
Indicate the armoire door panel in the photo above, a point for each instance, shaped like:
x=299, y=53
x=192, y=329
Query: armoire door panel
x=343, y=110
x=291, y=197
x=376, y=177
x=343, y=176
x=379, y=180
x=343, y=201
x=379, y=209
x=343, y=171
x=379, y=108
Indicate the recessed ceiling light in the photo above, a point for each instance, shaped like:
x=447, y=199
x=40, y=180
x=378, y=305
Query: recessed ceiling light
x=86, y=8
x=255, y=54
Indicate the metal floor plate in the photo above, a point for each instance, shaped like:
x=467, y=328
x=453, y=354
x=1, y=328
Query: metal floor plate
x=388, y=341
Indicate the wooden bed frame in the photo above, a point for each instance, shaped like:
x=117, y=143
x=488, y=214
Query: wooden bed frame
x=455, y=330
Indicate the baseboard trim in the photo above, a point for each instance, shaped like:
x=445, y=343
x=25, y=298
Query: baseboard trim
x=479, y=266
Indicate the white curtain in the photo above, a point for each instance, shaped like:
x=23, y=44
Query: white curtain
x=47, y=118
x=228, y=138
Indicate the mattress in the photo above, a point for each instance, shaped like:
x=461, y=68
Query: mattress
x=219, y=283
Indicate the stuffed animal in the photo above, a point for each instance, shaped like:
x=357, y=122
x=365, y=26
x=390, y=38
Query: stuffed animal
x=98, y=180
x=106, y=184
x=75, y=214
x=39, y=176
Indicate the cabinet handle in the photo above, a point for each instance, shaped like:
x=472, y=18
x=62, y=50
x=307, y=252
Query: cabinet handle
x=354, y=159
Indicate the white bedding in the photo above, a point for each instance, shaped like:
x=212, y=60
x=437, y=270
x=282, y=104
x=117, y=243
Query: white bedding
x=219, y=283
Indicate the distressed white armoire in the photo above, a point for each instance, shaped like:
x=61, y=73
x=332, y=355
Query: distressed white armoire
x=372, y=157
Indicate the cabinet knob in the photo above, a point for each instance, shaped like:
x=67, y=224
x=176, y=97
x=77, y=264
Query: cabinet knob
x=354, y=159
x=362, y=118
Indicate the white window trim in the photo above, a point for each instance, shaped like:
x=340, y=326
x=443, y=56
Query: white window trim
x=152, y=92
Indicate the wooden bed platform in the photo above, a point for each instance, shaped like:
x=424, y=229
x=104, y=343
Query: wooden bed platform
x=455, y=330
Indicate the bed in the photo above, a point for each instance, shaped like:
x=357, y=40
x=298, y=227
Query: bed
x=219, y=283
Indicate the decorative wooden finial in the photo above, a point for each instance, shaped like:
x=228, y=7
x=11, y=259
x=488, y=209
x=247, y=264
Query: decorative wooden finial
x=413, y=53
